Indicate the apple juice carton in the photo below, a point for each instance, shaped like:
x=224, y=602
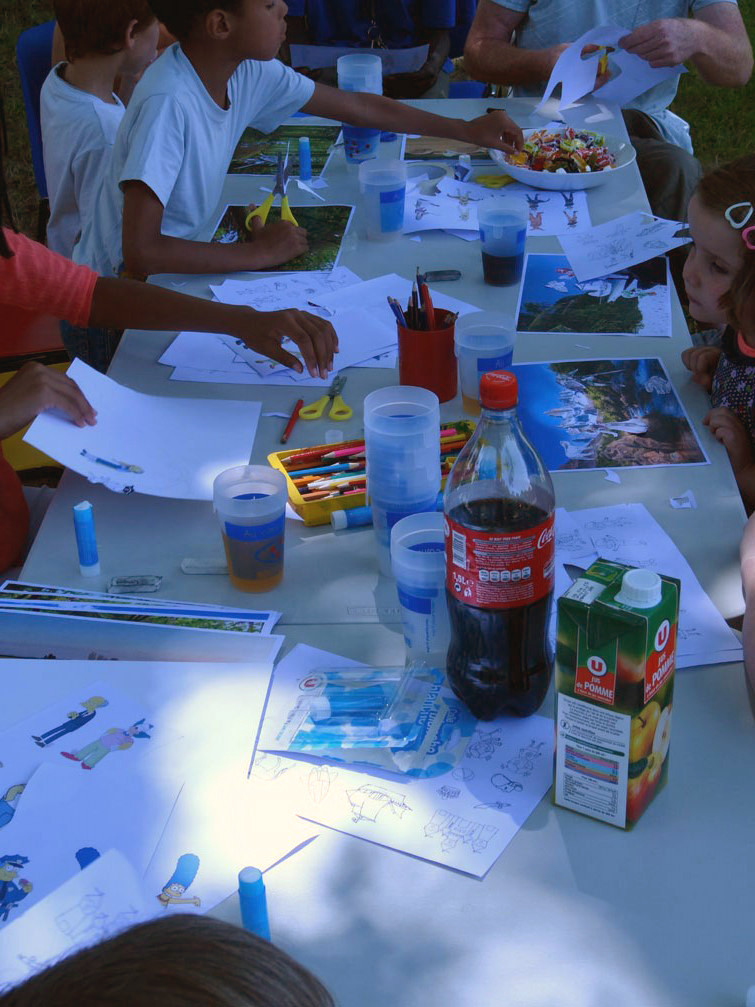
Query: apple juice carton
x=615, y=653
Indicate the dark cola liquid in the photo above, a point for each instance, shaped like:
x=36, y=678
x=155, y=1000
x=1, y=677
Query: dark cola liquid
x=501, y=270
x=499, y=660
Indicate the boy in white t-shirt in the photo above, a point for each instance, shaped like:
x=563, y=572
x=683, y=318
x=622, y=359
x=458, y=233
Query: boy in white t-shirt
x=183, y=122
x=80, y=114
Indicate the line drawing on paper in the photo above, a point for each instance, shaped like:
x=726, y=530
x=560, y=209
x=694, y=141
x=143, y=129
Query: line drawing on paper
x=524, y=761
x=484, y=745
x=319, y=780
x=447, y=793
x=505, y=784
x=84, y=917
x=453, y=829
x=463, y=773
x=368, y=801
x=494, y=805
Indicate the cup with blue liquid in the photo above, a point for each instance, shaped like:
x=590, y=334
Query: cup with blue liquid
x=503, y=230
x=360, y=71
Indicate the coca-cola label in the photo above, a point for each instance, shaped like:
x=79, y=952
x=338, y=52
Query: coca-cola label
x=499, y=569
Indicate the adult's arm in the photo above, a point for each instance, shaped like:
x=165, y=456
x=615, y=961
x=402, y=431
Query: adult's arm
x=714, y=40
x=489, y=54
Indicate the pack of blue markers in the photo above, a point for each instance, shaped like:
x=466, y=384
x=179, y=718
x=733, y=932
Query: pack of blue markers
x=403, y=720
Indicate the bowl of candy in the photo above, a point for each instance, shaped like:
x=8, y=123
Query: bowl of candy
x=566, y=159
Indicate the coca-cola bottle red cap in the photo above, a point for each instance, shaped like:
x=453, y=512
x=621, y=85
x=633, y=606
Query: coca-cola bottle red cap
x=498, y=390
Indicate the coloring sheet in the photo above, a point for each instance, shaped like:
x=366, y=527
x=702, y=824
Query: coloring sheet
x=585, y=414
x=394, y=60
x=96, y=903
x=257, y=153
x=620, y=243
x=289, y=290
x=325, y=226
x=548, y=213
x=462, y=819
x=635, y=301
x=627, y=533
x=629, y=75
x=153, y=444
x=443, y=210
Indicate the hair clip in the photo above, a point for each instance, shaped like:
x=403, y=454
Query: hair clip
x=738, y=224
x=749, y=242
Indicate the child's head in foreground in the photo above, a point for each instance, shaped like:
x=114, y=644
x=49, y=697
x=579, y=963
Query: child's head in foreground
x=255, y=29
x=178, y=961
x=719, y=274
x=107, y=27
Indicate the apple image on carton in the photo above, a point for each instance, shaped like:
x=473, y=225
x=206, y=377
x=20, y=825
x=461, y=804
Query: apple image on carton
x=643, y=731
x=662, y=736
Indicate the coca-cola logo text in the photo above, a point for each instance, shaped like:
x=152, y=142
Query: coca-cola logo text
x=546, y=536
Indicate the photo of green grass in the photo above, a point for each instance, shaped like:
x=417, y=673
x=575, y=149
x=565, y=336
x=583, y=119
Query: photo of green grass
x=257, y=153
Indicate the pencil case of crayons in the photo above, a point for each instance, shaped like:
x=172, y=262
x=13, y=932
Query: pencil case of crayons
x=329, y=477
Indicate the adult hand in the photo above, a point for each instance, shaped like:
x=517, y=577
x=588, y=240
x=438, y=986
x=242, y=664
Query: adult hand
x=729, y=430
x=264, y=331
x=496, y=130
x=702, y=361
x=410, y=85
x=275, y=243
x=35, y=388
x=666, y=42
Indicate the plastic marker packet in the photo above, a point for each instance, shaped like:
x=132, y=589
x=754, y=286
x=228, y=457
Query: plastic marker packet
x=401, y=720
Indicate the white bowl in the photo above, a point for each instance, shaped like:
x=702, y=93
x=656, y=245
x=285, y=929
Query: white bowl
x=622, y=150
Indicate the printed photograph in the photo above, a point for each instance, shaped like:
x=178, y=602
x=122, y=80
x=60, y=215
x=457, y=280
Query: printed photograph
x=257, y=153
x=632, y=302
x=325, y=226
x=588, y=414
x=435, y=148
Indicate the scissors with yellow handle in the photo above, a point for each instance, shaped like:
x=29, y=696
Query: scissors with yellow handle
x=279, y=189
x=338, y=408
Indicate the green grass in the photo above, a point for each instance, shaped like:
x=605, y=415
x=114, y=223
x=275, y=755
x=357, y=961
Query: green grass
x=723, y=121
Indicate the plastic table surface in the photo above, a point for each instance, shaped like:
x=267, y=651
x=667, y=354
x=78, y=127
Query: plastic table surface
x=574, y=912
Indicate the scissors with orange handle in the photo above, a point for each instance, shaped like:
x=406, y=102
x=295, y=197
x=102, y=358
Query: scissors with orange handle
x=279, y=189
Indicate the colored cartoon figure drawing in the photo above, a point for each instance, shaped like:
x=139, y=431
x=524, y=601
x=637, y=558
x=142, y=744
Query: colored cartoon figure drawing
x=115, y=739
x=182, y=878
x=74, y=720
x=571, y=218
x=9, y=801
x=536, y=221
x=12, y=892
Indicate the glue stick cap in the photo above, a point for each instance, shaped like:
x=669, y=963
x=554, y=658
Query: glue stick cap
x=640, y=589
x=498, y=390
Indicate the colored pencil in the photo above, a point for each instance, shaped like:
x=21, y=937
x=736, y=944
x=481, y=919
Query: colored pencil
x=322, y=470
x=352, y=452
x=292, y=421
x=427, y=305
x=309, y=456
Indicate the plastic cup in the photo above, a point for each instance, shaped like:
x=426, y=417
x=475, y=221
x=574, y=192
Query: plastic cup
x=484, y=342
x=503, y=229
x=418, y=561
x=360, y=71
x=382, y=188
x=250, y=501
x=386, y=514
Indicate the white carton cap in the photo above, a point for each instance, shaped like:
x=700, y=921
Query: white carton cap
x=640, y=589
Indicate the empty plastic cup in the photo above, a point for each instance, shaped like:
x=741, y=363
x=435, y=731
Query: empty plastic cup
x=419, y=566
x=386, y=515
x=484, y=342
x=382, y=193
x=250, y=501
x=503, y=229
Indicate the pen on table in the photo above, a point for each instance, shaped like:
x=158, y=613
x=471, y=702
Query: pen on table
x=292, y=421
x=397, y=311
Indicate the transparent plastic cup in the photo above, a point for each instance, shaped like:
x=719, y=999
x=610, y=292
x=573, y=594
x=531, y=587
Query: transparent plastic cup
x=503, y=230
x=484, y=342
x=419, y=567
x=382, y=194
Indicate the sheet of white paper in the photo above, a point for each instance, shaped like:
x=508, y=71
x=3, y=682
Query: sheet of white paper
x=630, y=75
x=619, y=243
x=158, y=445
x=443, y=210
x=372, y=294
x=463, y=819
x=548, y=212
x=394, y=60
x=286, y=290
x=94, y=904
x=628, y=534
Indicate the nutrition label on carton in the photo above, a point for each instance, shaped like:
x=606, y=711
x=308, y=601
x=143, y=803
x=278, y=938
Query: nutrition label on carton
x=592, y=760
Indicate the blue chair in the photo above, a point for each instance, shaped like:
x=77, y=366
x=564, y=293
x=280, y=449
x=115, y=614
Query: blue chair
x=466, y=89
x=33, y=55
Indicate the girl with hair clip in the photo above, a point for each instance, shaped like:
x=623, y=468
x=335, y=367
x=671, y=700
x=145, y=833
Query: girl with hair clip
x=719, y=277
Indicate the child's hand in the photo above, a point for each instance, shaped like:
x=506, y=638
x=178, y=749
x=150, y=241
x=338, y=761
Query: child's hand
x=729, y=430
x=35, y=388
x=702, y=361
x=275, y=243
x=263, y=332
x=496, y=130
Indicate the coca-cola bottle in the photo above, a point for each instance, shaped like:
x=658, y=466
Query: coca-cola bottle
x=499, y=535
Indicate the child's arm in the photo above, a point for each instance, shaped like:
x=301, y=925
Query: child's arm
x=131, y=304
x=728, y=429
x=702, y=361
x=146, y=250
x=358, y=109
x=35, y=388
x=747, y=566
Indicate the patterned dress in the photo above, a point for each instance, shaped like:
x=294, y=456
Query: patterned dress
x=734, y=380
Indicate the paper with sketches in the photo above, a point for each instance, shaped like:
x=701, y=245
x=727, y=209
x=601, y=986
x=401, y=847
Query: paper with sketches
x=153, y=444
x=291, y=290
x=628, y=534
x=630, y=75
x=461, y=819
x=547, y=212
x=618, y=413
x=441, y=211
x=315, y=57
x=635, y=301
x=92, y=905
x=371, y=296
x=257, y=153
x=620, y=243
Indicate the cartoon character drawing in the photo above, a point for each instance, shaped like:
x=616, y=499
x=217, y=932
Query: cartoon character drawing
x=448, y=793
x=369, y=800
x=524, y=761
x=182, y=878
x=11, y=893
x=571, y=218
x=74, y=720
x=111, y=464
x=536, y=221
x=535, y=202
x=508, y=786
x=484, y=745
x=114, y=739
x=9, y=802
x=568, y=198
x=454, y=829
x=86, y=855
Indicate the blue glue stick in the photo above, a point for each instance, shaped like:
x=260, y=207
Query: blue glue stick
x=305, y=159
x=253, y=902
x=355, y=517
x=86, y=541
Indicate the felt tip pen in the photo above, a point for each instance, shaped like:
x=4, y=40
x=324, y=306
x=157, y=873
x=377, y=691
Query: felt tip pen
x=253, y=902
x=305, y=159
x=86, y=540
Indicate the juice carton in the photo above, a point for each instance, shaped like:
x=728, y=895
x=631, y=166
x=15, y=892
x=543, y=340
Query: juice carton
x=615, y=655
